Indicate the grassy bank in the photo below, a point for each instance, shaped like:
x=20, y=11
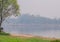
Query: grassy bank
x=20, y=39
x=7, y=38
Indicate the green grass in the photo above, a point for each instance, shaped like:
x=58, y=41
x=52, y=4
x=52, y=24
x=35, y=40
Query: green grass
x=19, y=39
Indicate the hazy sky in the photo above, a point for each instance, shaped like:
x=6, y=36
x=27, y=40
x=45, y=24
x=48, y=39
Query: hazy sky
x=46, y=8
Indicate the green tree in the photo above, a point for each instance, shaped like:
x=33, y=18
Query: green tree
x=8, y=8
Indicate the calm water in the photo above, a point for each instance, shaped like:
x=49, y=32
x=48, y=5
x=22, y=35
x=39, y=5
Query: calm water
x=47, y=30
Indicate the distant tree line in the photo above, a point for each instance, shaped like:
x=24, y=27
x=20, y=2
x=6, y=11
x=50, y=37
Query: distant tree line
x=28, y=19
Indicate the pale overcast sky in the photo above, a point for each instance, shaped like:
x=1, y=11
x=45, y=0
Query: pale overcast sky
x=46, y=8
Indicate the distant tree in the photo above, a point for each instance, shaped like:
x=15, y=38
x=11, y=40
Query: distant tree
x=8, y=8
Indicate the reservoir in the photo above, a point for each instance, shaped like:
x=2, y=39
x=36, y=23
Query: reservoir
x=45, y=30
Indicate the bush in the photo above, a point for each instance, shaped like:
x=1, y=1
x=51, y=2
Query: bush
x=3, y=33
x=55, y=41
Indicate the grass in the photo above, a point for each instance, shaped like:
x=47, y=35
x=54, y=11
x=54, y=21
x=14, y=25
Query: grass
x=20, y=39
x=8, y=38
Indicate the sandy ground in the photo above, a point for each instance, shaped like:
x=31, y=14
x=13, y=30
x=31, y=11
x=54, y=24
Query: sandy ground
x=22, y=35
x=29, y=36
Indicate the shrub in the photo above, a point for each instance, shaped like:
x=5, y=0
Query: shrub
x=3, y=33
x=55, y=41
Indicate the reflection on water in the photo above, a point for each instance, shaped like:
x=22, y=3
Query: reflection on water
x=39, y=30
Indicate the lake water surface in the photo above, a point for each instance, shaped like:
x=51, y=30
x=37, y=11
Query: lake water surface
x=34, y=29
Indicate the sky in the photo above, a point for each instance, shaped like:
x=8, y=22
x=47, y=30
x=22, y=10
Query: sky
x=45, y=8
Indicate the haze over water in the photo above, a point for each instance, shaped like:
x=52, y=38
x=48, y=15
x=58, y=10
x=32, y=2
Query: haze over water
x=33, y=30
x=44, y=8
x=46, y=30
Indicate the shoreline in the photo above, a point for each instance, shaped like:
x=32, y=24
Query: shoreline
x=31, y=36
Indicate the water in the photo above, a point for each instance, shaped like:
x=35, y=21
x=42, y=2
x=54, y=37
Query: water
x=46, y=30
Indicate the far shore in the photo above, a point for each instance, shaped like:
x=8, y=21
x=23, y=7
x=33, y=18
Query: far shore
x=30, y=36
